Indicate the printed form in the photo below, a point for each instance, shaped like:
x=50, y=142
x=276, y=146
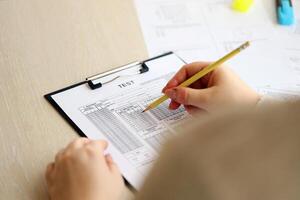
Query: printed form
x=205, y=30
x=114, y=113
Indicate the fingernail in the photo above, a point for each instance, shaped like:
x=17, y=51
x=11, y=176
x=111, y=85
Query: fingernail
x=171, y=93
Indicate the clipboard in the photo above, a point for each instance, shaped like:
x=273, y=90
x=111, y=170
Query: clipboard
x=95, y=83
x=98, y=81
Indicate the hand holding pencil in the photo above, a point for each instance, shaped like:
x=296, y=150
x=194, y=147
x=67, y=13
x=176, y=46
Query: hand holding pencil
x=216, y=90
x=219, y=89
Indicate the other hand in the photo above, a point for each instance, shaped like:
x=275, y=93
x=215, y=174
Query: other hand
x=81, y=171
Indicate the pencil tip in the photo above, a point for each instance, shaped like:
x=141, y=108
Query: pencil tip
x=145, y=110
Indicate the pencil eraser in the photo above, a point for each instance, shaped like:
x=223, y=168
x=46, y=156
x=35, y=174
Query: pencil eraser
x=242, y=5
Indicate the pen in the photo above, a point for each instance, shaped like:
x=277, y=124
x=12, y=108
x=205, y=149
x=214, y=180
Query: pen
x=201, y=73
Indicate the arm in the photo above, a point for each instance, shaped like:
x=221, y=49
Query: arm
x=249, y=154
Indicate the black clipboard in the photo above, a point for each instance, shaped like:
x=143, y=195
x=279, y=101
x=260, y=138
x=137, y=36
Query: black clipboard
x=94, y=83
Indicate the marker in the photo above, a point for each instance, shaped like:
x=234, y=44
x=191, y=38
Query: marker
x=242, y=5
x=200, y=74
x=285, y=12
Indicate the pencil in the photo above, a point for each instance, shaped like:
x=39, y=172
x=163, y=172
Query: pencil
x=200, y=74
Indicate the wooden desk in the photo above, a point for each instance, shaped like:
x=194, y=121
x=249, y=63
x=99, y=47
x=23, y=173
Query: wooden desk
x=44, y=46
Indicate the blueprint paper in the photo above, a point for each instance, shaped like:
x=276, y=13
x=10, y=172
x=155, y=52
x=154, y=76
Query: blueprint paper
x=205, y=30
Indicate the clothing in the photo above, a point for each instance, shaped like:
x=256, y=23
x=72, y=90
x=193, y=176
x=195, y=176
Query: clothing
x=244, y=154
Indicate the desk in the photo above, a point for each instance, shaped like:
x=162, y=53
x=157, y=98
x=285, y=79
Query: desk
x=44, y=46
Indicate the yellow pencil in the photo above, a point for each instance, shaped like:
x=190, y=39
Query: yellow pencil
x=201, y=73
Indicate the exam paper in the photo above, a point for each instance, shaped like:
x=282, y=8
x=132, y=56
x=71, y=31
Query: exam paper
x=205, y=30
x=114, y=113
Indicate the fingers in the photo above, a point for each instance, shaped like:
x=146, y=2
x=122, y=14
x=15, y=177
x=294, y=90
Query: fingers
x=190, y=96
x=49, y=171
x=111, y=164
x=172, y=83
x=59, y=155
x=50, y=168
x=193, y=110
x=109, y=160
x=77, y=143
x=174, y=105
x=184, y=73
x=98, y=145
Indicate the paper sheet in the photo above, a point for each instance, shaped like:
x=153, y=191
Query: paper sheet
x=205, y=30
x=114, y=113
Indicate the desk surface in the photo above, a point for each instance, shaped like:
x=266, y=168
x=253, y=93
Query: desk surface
x=44, y=46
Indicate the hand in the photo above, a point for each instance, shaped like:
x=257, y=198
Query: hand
x=81, y=171
x=217, y=90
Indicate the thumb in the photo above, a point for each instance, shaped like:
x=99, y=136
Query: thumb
x=190, y=96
